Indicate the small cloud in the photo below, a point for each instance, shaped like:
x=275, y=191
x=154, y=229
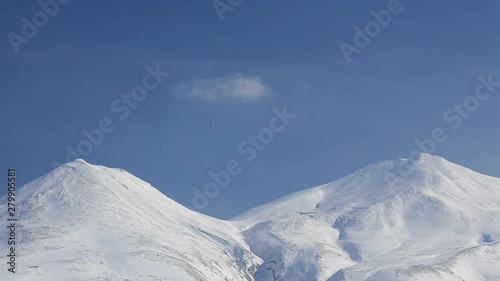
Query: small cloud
x=236, y=87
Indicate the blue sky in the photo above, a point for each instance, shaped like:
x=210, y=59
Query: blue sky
x=226, y=77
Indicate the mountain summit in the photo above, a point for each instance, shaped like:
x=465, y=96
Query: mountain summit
x=440, y=221
x=89, y=222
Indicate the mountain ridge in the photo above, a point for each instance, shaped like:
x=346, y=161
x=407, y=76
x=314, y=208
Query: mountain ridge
x=373, y=213
x=90, y=222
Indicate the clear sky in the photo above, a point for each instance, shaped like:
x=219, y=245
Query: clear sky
x=226, y=77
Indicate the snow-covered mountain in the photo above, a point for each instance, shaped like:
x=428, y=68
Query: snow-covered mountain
x=440, y=223
x=89, y=222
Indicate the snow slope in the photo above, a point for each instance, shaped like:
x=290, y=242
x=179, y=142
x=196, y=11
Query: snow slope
x=88, y=222
x=440, y=223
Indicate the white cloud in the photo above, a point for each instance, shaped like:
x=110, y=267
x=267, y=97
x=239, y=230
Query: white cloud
x=236, y=87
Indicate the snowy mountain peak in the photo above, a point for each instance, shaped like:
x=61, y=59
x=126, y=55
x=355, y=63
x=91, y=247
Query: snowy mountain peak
x=90, y=222
x=80, y=160
x=422, y=156
x=424, y=161
x=82, y=183
x=379, y=223
x=419, y=219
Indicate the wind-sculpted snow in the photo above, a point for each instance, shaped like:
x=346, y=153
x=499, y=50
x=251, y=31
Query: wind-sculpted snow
x=440, y=223
x=88, y=222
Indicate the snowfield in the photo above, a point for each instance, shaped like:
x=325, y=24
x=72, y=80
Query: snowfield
x=89, y=222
